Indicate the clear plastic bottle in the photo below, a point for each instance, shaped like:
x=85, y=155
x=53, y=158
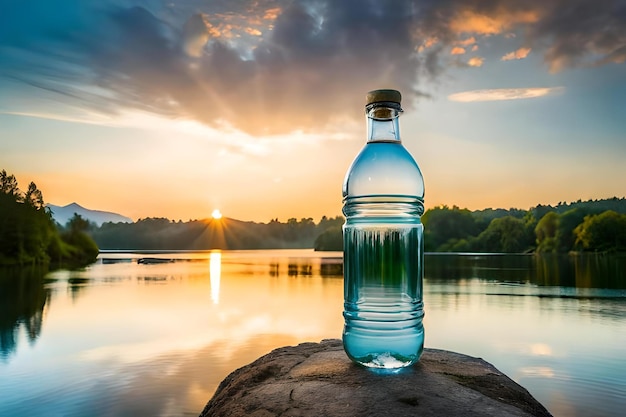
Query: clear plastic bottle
x=383, y=196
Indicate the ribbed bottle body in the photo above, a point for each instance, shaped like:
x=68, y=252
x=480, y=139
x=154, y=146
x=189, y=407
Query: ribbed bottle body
x=383, y=258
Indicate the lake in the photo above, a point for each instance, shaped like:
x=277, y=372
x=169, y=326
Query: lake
x=153, y=334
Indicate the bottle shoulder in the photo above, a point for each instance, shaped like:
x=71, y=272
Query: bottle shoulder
x=384, y=168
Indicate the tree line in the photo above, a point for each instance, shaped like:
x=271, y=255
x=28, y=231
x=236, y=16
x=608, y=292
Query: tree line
x=225, y=233
x=593, y=225
x=29, y=235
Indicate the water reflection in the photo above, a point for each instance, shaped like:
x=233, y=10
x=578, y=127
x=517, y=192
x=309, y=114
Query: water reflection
x=556, y=270
x=302, y=268
x=331, y=267
x=76, y=285
x=114, y=346
x=22, y=303
x=215, y=274
x=327, y=267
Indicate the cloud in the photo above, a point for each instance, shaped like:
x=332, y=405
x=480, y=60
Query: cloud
x=617, y=56
x=271, y=14
x=504, y=94
x=253, y=32
x=457, y=51
x=476, y=61
x=195, y=35
x=467, y=42
x=492, y=23
x=581, y=33
x=276, y=66
x=521, y=53
x=427, y=43
x=569, y=33
x=264, y=67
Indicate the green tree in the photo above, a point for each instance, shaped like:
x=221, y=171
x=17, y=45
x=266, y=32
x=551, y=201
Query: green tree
x=568, y=221
x=330, y=239
x=8, y=186
x=326, y=222
x=83, y=249
x=546, y=231
x=504, y=234
x=456, y=245
x=78, y=224
x=484, y=217
x=444, y=227
x=33, y=197
x=602, y=232
x=25, y=225
x=28, y=234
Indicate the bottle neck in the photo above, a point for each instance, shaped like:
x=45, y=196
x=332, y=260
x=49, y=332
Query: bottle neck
x=382, y=122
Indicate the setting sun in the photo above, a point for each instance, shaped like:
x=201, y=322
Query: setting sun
x=216, y=214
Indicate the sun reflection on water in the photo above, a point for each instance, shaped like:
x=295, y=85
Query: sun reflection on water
x=215, y=273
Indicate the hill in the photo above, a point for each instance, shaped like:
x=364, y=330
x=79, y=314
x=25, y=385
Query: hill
x=225, y=233
x=62, y=214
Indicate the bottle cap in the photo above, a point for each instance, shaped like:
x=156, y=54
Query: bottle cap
x=377, y=96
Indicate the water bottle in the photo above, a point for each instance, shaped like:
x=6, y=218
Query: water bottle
x=383, y=246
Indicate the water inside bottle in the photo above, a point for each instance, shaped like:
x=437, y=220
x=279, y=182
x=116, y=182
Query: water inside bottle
x=383, y=308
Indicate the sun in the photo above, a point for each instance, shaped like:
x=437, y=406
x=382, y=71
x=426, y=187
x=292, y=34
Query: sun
x=217, y=214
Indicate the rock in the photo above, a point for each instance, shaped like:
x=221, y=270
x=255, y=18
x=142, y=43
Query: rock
x=318, y=379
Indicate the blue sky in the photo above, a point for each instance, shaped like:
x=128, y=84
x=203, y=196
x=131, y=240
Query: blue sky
x=173, y=109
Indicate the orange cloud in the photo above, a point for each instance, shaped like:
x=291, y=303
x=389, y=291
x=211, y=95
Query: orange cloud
x=474, y=48
x=467, y=42
x=430, y=42
x=203, y=27
x=427, y=43
x=499, y=94
x=253, y=32
x=272, y=14
x=470, y=21
x=521, y=53
x=476, y=61
x=213, y=31
x=457, y=50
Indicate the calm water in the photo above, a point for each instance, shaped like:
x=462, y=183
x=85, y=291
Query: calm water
x=128, y=338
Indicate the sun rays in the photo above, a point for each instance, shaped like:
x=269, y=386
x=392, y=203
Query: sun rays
x=219, y=232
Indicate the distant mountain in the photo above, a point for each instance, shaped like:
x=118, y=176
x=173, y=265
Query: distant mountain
x=63, y=214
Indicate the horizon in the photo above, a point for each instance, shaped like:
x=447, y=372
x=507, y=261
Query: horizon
x=221, y=216
x=256, y=109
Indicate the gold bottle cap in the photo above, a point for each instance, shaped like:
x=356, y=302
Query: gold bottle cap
x=377, y=96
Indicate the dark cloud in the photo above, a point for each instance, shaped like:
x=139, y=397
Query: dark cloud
x=582, y=33
x=315, y=65
x=274, y=66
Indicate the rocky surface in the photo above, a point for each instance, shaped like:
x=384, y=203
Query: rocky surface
x=318, y=379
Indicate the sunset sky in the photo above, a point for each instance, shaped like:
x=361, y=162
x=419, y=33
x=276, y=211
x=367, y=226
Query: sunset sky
x=256, y=108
